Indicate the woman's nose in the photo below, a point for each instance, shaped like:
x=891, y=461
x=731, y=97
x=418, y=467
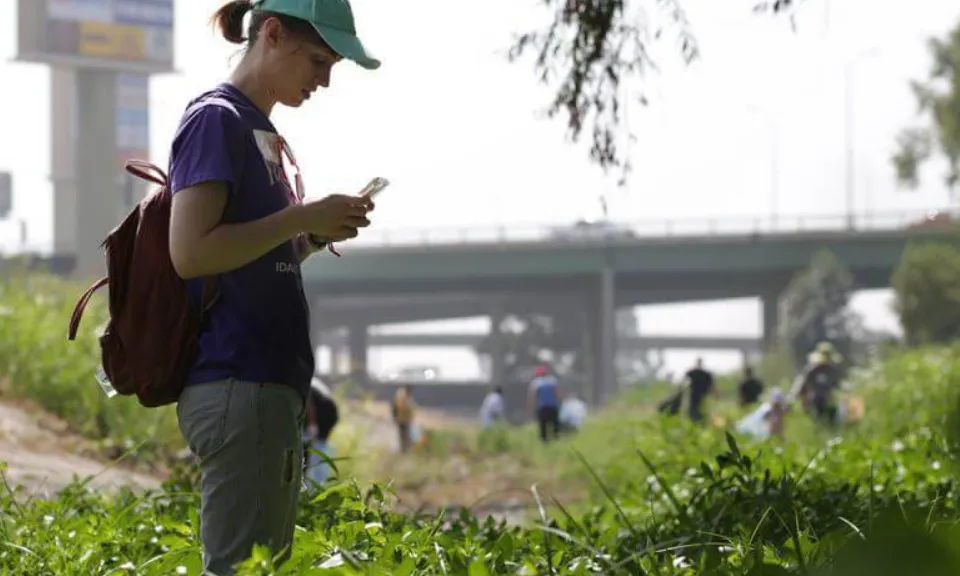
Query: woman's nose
x=323, y=78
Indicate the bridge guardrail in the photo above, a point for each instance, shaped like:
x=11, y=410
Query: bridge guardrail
x=666, y=228
x=661, y=228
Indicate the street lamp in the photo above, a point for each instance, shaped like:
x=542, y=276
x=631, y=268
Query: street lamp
x=608, y=353
x=848, y=69
x=774, y=162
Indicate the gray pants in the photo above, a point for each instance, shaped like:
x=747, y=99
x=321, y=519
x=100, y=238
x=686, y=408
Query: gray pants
x=247, y=438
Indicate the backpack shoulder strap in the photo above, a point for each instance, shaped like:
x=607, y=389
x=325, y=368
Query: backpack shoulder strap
x=152, y=172
x=81, y=305
x=147, y=171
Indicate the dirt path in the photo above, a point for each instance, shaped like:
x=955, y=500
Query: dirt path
x=43, y=458
x=493, y=485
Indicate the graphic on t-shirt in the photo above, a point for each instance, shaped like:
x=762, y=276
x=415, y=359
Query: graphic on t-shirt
x=269, y=145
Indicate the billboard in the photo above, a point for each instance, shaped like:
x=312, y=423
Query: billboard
x=120, y=35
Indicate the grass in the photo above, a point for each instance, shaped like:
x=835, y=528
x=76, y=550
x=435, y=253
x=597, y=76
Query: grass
x=654, y=495
x=39, y=363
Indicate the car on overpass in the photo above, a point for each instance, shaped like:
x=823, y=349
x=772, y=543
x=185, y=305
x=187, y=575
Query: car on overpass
x=591, y=230
x=933, y=219
x=414, y=374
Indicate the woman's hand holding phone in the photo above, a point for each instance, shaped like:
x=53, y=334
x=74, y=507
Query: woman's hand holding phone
x=339, y=217
x=336, y=217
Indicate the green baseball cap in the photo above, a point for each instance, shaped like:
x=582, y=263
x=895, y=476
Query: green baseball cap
x=333, y=21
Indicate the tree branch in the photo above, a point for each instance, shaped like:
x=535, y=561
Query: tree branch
x=591, y=48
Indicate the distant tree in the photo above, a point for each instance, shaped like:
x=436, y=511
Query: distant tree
x=590, y=47
x=938, y=100
x=816, y=308
x=927, y=293
x=636, y=364
x=529, y=340
x=557, y=340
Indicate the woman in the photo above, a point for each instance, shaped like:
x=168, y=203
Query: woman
x=236, y=215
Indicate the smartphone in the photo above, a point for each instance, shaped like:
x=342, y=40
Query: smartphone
x=375, y=187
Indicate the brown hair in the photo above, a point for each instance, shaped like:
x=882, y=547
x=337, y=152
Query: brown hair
x=229, y=19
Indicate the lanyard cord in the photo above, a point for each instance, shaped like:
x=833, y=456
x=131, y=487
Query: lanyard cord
x=295, y=192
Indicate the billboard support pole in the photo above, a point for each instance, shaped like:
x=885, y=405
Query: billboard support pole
x=96, y=167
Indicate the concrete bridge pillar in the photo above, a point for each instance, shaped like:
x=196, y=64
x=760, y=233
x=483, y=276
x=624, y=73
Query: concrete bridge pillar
x=497, y=352
x=97, y=177
x=337, y=354
x=358, y=346
x=320, y=336
x=771, y=318
x=602, y=335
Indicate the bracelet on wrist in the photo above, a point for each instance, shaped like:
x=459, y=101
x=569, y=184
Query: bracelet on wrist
x=315, y=243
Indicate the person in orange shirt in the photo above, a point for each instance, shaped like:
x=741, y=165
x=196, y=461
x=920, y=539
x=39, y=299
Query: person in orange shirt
x=403, y=413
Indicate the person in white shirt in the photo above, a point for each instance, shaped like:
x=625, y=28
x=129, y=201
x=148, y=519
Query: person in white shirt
x=573, y=412
x=491, y=411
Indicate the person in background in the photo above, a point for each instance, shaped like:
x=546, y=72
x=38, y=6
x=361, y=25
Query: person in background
x=673, y=404
x=544, y=400
x=819, y=382
x=492, y=409
x=750, y=388
x=777, y=413
x=403, y=415
x=322, y=417
x=573, y=413
x=700, y=385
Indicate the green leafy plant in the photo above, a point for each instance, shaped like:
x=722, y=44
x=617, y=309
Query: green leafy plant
x=659, y=495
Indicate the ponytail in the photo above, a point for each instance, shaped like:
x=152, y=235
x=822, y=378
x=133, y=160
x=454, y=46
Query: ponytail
x=229, y=19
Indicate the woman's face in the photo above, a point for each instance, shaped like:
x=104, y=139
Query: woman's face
x=297, y=66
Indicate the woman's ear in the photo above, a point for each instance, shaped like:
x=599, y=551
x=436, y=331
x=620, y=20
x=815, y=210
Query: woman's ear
x=271, y=32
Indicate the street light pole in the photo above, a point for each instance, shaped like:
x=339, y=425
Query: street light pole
x=774, y=163
x=848, y=126
x=848, y=142
x=607, y=374
x=774, y=175
x=849, y=168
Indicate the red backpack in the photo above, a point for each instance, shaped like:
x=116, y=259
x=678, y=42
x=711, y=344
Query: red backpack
x=150, y=341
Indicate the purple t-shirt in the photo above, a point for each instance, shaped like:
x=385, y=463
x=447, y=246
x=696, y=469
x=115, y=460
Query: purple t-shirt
x=259, y=329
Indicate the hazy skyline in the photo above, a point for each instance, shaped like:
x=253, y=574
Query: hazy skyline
x=459, y=131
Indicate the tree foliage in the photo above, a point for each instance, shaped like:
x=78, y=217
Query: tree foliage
x=528, y=340
x=927, y=289
x=816, y=307
x=591, y=48
x=559, y=341
x=938, y=101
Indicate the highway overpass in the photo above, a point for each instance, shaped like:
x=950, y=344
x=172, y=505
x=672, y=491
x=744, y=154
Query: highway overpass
x=745, y=344
x=647, y=270
x=390, y=282
x=459, y=273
